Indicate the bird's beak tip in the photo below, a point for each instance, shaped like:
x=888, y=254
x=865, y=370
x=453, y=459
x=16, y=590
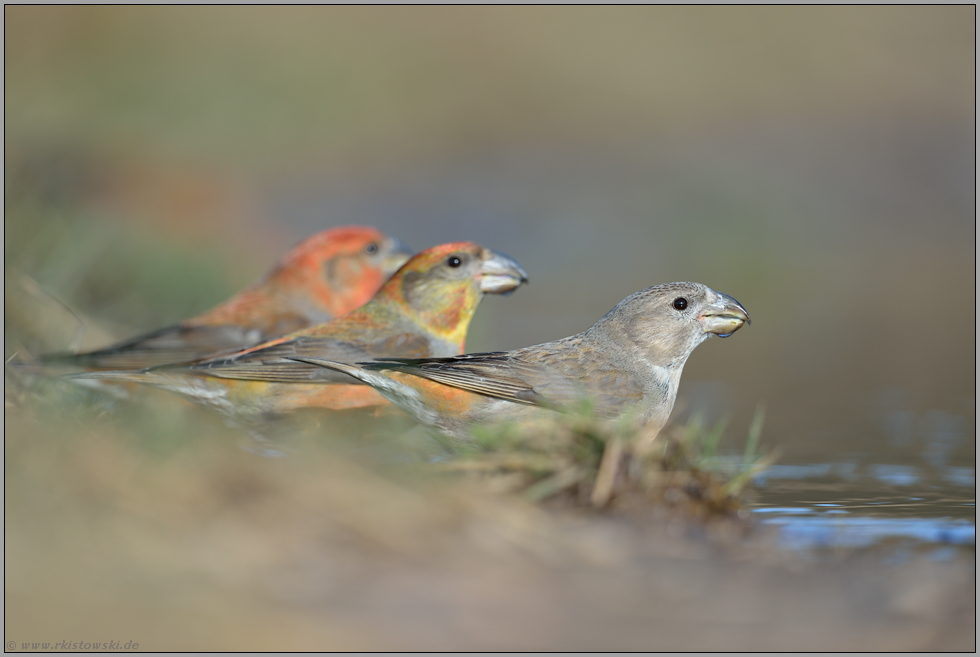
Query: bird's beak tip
x=501, y=274
x=724, y=316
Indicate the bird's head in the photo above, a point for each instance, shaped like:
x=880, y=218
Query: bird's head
x=668, y=321
x=441, y=287
x=339, y=269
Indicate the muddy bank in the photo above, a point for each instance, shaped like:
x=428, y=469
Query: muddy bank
x=198, y=544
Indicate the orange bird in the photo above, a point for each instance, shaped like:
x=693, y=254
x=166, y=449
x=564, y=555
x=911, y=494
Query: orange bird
x=423, y=310
x=324, y=276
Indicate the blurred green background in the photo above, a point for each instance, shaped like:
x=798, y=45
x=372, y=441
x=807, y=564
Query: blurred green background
x=816, y=163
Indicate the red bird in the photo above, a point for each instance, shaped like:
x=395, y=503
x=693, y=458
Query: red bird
x=326, y=275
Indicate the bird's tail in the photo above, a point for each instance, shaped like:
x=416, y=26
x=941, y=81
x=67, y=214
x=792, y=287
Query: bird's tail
x=121, y=376
x=62, y=362
x=204, y=390
x=400, y=394
x=28, y=371
x=358, y=373
x=191, y=387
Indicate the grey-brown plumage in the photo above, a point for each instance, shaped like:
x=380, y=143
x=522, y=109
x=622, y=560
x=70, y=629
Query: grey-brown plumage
x=630, y=360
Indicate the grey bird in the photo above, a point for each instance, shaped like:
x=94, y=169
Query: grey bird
x=629, y=361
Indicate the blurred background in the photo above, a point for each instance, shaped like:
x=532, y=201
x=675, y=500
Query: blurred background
x=816, y=163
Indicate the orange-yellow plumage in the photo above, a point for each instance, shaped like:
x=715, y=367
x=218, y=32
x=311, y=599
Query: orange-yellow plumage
x=423, y=310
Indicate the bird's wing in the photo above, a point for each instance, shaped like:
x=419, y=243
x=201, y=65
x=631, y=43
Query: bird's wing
x=494, y=374
x=173, y=344
x=555, y=375
x=275, y=363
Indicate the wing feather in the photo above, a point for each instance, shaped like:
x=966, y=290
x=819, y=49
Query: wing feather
x=493, y=374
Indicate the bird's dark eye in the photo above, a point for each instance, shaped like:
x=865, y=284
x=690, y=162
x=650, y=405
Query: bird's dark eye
x=454, y=261
x=371, y=248
x=680, y=303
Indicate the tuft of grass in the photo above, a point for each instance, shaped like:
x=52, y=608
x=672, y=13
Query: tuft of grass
x=701, y=446
x=579, y=460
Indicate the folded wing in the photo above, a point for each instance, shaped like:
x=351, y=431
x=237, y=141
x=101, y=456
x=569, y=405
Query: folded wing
x=494, y=374
x=173, y=344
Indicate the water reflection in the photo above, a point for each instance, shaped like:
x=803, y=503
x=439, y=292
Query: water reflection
x=960, y=476
x=843, y=505
x=816, y=531
x=897, y=475
x=890, y=474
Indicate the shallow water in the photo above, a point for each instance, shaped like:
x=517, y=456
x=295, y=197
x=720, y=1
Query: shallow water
x=842, y=504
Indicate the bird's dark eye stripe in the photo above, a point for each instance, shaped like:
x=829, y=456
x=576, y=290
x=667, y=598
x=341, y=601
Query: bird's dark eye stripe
x=371, y=248
x=680, y=303
x=454, y=261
